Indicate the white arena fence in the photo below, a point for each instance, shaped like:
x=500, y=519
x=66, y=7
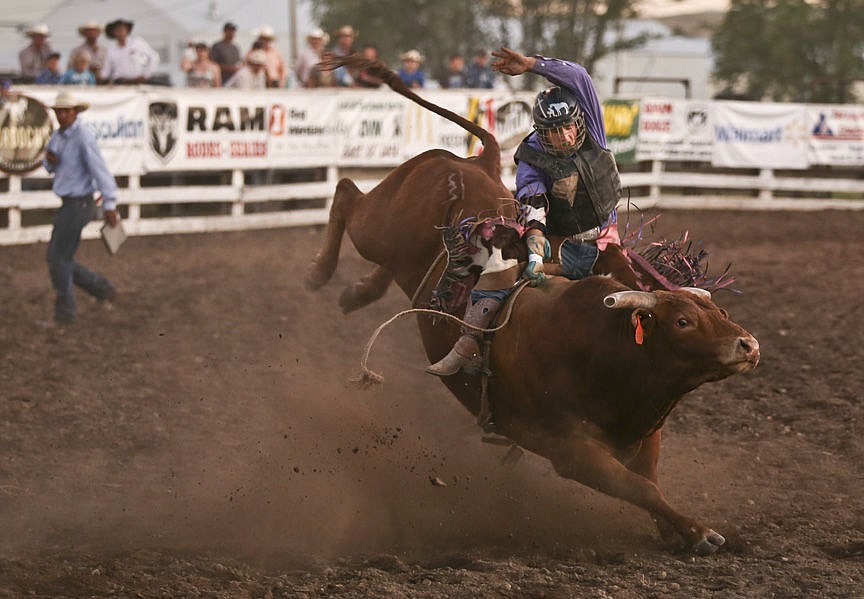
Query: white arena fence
x=193, y=161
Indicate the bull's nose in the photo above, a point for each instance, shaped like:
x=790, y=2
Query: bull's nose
x=750, y=347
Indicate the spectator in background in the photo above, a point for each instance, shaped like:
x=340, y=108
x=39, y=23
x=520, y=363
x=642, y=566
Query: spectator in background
x=226, y=53
x=479, y=74
x=79, y=170
x=90, y=31
x=51, y=74
x=200, y=70
x=79, y=73
x=411, y=74
x=131, y=60
x=364, y=79
x=34, y=57
x=308, y=57
x=251, y=75
x=454, y=77
x=345, y=37
x=277, y=75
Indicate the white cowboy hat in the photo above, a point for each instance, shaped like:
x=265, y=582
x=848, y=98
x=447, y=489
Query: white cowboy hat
x=412, y=55
x=88, y=26
x=67, y=100
x=266, y=32
x=318, y=34
x=257, y=57
x=40, y=29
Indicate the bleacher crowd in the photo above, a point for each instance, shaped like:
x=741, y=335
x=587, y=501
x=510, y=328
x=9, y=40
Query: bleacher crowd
x=124, y=58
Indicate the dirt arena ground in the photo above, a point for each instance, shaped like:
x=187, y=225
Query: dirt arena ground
x=202, y=439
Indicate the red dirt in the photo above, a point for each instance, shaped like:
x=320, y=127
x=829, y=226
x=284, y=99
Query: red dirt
x=203, y=439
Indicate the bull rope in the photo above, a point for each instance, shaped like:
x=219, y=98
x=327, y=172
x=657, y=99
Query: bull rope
x=368, y=378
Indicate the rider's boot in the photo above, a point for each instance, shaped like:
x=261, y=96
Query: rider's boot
x=466, y=351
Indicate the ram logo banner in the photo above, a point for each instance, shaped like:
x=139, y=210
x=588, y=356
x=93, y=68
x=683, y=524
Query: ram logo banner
x=163, y=129
x=25, y=128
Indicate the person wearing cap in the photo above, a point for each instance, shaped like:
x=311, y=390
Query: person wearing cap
x=479, y=74
x=51, y=74
x=226, y=53
x=410, y=73
x=200, y=70
x=277, y=74
x=79, y=73
x=131, y=60
x=34, y=57
x=308, y=57
x=90, y=31
x=79, y=170
x=252, y=75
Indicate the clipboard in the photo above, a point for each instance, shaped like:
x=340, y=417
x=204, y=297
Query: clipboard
x=113, y=237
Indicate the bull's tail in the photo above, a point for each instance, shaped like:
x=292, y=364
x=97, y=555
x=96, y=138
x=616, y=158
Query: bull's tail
x=491, y=156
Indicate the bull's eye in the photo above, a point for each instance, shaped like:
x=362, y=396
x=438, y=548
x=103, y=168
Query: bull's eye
x=681, y=323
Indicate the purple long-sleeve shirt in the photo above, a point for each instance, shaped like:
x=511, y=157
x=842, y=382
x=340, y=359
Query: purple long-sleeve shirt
x=531, y=180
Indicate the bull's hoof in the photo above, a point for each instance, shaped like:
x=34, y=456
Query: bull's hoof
x=354, y=298
x=709, y=544
x=315, y=279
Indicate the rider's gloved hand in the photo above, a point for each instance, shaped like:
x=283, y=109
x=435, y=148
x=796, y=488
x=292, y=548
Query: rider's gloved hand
x=534, y=271
x=538, y=244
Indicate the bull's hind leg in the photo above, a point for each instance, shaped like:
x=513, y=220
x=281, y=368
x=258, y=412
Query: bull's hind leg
x=324, y=264
x=366, y=290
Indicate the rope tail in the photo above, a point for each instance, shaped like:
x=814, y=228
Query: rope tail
x=491, y=156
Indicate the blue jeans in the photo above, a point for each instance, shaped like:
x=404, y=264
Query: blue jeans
x=578, y=258
x=73, y=215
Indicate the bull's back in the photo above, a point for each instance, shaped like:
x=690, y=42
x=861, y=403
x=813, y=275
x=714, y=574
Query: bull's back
x=398, y=223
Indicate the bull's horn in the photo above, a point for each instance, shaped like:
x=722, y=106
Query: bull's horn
x=630, y=299
x=698, y=291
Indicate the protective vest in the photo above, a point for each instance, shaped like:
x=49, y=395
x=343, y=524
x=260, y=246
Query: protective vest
x=586, y=186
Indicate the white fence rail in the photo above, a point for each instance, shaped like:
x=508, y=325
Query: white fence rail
x=240, y=206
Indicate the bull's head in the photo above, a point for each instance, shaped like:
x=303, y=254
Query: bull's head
x=686, y=326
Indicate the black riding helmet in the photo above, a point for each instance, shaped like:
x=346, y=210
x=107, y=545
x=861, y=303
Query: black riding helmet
x=556, y=108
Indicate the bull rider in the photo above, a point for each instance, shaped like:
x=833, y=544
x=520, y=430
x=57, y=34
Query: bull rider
x=567, y=184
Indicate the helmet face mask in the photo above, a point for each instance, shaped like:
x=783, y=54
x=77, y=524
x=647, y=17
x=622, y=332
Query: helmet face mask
x=558, y=121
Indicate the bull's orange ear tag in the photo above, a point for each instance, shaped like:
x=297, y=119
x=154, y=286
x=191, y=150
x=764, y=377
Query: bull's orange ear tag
x=640, y=332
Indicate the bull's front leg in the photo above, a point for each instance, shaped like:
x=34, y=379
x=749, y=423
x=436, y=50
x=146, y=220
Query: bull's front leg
x=593, y=464
x=644, y=463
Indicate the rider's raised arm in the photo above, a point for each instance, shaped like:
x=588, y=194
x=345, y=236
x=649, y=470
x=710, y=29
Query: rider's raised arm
x=573, y=76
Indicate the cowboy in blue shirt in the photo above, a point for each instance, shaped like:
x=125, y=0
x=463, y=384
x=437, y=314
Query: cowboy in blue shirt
x=79, y=171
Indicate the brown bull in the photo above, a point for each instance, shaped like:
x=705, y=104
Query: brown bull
x=585, y=372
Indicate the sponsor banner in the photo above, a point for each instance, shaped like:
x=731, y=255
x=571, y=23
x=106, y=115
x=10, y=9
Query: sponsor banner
x=757, y=135
x=622, y=128
x=25, y=128
x=117, y=121
x=506, y=116
x=836, y=134
x=202, y=130
x=302, y=129
x=370, y=129
x=424, y=130
x=674, y=129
